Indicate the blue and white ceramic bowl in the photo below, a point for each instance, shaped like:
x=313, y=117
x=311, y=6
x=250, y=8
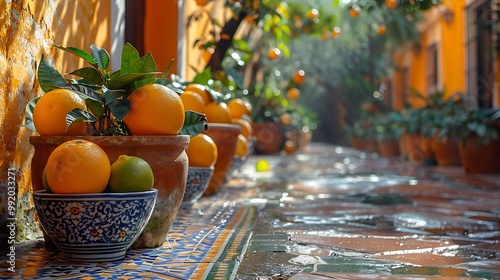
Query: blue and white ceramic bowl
x=94, y=227
x=197, y=182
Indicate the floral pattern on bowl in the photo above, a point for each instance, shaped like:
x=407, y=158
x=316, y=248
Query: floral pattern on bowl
x=94, y=227
x=197, y=182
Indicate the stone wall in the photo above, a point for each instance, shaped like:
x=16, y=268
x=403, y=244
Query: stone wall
x=28, y=29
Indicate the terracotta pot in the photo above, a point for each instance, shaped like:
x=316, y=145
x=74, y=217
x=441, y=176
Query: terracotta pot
x=359, y=144
x=165, y=154
x=403, y=147
x=446, y=152
x=388, y=148
x=420, y=150
x=480, y=158
x=269, y=138
x=225, y=137
x=372, y=145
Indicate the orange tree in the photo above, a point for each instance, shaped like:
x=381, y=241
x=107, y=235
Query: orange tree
x=344, y=52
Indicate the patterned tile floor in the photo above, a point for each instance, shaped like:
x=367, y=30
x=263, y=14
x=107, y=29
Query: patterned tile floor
x=327, y=213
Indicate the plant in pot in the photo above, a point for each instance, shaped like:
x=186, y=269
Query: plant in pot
x=125, y=112
x=439, y=127
x=477, y=132
x=386, y=133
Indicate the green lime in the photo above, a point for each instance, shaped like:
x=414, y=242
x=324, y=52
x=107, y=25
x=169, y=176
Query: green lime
x=130, y=174
x=262, y=166
x=45, y=182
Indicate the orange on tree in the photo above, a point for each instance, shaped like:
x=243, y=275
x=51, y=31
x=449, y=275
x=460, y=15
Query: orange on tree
x=202, y=91
x=239, y=108
x=354, y=11
x=201, y=151
x=49, y=115
x=207, y=54
x=286, y=118
x=391, y=4
x=78, y=166
x=298, y=77
x=241, y=146
x=246, y=127
x=218, y=112
x=336, y=31
x=193, y=102
x=154, y=110
x=273, y=53
x=381, y=29
x=313, y=13
x=130, y=174
x=293, y=93
x=202, y=2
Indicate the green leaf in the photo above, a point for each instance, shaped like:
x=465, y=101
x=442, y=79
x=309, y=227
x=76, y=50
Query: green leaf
x=162, y=81
x=95, y=107
x=145, y=64
x=112, y=95
x=129, y=56
x=202, y=78
x=78, y=115
x=119, y=108
x=28, y=116
x=48, y=77
x=81, y=53
x=85, y=83
x=101, y=56
x=123, y=80
x=90, y=74
x=194, y=124
x=85, y=92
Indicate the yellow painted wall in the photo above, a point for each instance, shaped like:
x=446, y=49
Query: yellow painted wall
x=161, y=32
x=29, y=29
x=417, y=72
x=453, y=54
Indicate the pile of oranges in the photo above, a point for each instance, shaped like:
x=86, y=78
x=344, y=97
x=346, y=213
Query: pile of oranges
x=81, y=166
x=154, y=110
x=202, y=151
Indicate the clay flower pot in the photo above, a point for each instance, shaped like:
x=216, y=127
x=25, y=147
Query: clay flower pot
x=447, y=152
x=269, y=137
x=225, y=137
x=478, y=157
x=165, y=154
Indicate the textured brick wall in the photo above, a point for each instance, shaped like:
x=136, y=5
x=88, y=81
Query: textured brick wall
x=28, y=29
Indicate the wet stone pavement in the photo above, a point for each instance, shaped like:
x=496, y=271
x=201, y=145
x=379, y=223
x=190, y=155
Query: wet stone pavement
x=337, y=213
x=326, y=213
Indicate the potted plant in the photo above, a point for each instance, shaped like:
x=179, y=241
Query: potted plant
x=386, y=133
x=439, y=127
x=477, y=132
x=108, y=102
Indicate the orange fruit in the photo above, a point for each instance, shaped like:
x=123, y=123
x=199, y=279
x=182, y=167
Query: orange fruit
x=286, y=119
x=274, y=53
x=298, y=77
x=354, y=11
x=391, y=4
x=241, y=146
x=325, y=36
x=130, y=174
x=201, y=91
x=289, y=147
x=336, y=31
x=207, y=54
x=201, y=2
x=238, y=108
x=246, y=127
x=154, y=110
x=217, y=112
x=293, y=93
x=381, y=29
x=49, y=115
x=78, y=166
x=201, y=151
x=313, y=13
x=193, y=102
